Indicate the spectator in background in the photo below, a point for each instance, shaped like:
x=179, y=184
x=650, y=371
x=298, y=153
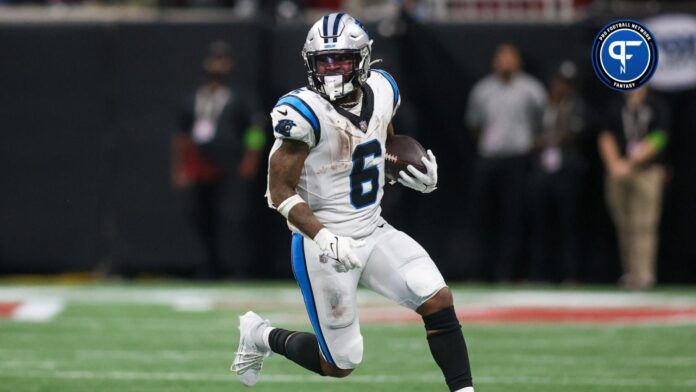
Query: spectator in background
x=555, y=181
x=215, y=155
x=504, y=113
x=631, y=146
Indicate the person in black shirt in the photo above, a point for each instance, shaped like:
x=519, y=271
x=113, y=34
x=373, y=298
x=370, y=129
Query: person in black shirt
x=215, y=155
x=555, y=180
x=631, y=146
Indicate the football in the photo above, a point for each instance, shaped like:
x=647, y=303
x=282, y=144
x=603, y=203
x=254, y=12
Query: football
x=402, y=151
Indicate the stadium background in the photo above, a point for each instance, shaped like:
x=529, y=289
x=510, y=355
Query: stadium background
x=88, y=107
x=89, y=99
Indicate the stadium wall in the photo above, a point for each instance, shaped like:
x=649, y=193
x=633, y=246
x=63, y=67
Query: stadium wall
x=87, y=111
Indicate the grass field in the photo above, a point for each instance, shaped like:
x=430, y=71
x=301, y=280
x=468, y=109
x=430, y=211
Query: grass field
x=180, y=337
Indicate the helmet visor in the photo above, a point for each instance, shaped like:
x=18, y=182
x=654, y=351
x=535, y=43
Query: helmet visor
x=335, y=63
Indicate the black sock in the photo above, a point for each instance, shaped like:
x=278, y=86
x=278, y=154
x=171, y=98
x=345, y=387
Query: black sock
x=448, y=348
x=299, y=347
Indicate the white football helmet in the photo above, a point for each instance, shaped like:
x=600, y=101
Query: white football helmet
x=337, y=55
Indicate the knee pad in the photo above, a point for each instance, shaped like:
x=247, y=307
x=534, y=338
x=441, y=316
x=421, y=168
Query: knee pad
x=422, y=277
x=349, y=355
x=443, y=321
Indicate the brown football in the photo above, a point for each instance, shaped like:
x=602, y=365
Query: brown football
x=402, y=151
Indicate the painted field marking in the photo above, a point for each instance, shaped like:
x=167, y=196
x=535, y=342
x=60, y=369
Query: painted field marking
x=360, y=379
x=196, y=298
x=31, y=311
x=7, y=309
x=589, y=315
x=474, y=306
x=160, y=356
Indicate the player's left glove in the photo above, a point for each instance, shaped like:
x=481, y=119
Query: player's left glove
x=340, y=249
x=422, y=182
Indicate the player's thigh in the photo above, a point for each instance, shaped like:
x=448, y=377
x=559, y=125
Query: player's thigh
x=330, y=300
x=401, y=270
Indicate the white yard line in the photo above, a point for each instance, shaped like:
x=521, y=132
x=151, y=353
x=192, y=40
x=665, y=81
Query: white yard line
x=198, y=299
x=197, y=355
x=38, y=310
x=360, y=379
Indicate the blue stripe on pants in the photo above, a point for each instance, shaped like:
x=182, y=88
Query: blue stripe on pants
x=299, y=268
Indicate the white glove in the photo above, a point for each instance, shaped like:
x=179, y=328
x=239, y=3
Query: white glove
x=339, y=249
x=422, y=182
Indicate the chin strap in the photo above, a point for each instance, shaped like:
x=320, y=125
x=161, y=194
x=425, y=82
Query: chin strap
x=333, y=85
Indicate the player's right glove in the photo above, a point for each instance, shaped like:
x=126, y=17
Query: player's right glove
x=339, y=249
x=422, y=182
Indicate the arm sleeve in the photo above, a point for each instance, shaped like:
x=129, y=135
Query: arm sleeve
x=289, y=123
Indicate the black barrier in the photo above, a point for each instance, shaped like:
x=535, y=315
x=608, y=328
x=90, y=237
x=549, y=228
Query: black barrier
x=87, y=111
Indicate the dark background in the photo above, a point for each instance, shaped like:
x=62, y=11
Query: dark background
x=87, y=112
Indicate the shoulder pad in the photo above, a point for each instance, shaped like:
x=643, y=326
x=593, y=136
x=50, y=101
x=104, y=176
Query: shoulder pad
x=292, y=106
x=392, y=83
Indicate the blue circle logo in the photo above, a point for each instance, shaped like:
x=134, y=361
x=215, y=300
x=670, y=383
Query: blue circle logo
x=624, y=55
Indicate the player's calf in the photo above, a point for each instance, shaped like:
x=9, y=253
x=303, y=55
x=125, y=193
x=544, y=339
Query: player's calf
x=303, y=349
x=446, y=340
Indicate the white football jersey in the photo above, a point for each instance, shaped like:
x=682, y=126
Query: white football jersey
x=343, y=174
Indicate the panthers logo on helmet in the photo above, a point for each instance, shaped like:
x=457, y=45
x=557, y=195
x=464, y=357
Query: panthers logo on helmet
x=284, y=127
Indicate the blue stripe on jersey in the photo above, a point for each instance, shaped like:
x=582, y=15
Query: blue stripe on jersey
x=325, y=31
x=299, y=269
x=305, y=111
x=391, y=81
x=337, y=21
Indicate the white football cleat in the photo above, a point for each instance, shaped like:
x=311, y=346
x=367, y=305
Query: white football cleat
x=251, y=352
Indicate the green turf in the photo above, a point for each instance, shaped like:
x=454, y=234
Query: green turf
x=110, y=346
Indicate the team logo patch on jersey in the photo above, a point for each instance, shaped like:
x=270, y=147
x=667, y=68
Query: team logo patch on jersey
x=284, y=126
x=624, y=55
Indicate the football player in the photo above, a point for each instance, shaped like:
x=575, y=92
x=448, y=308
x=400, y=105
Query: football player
x=325, y=176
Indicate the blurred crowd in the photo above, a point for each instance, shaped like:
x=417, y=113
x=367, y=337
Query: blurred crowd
x=529, y=173
x=252, y=4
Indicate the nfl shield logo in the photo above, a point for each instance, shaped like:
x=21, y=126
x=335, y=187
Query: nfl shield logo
x=363, y=125
x=323, y=259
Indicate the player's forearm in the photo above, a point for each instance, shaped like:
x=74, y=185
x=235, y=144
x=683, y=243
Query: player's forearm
x=302, y=217
x=295, y=210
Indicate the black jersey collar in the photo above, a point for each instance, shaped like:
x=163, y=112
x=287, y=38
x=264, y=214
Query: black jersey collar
x=362, y=121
